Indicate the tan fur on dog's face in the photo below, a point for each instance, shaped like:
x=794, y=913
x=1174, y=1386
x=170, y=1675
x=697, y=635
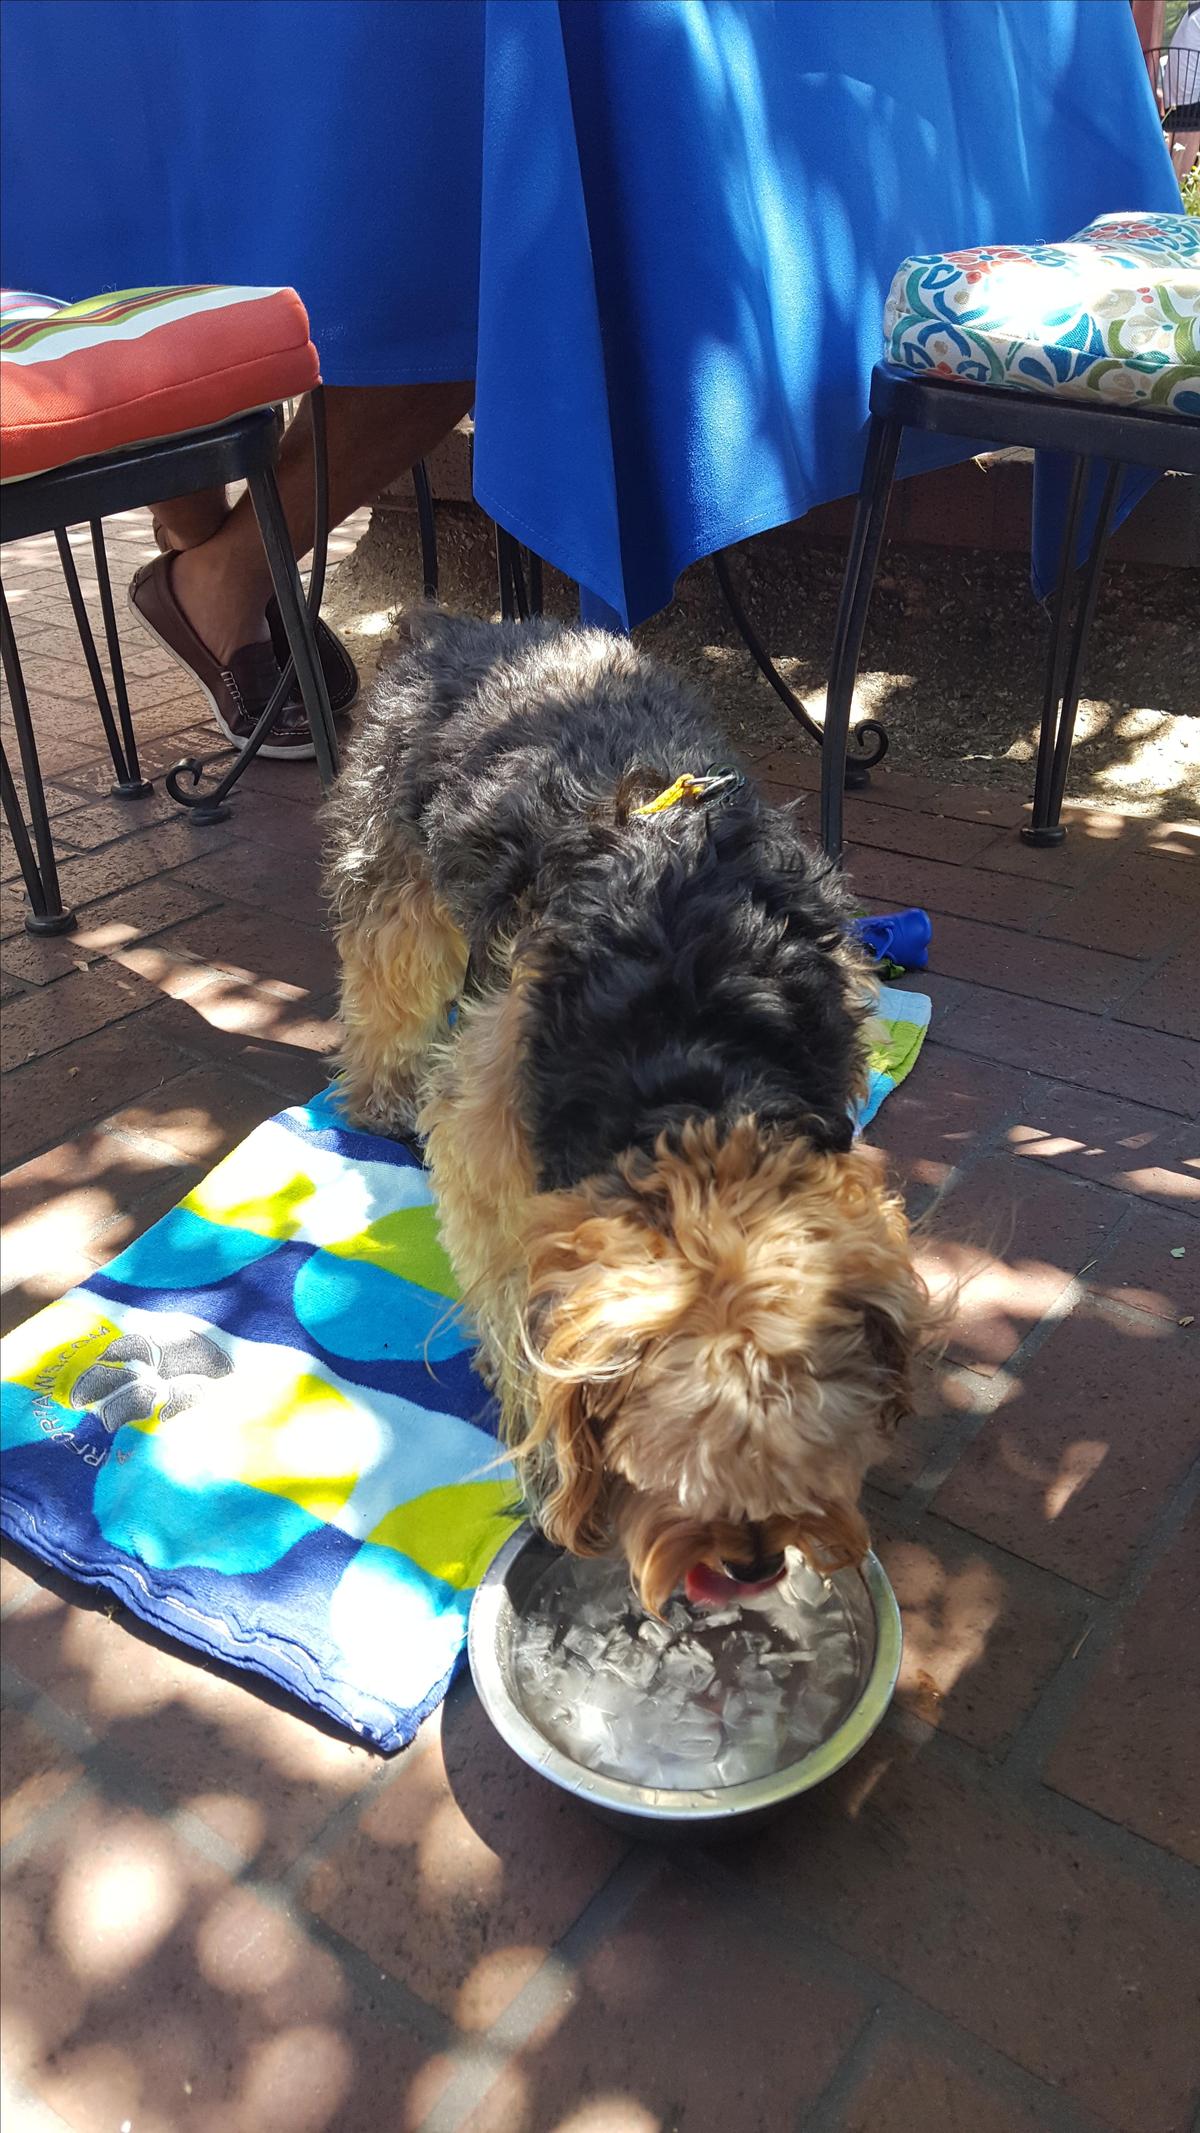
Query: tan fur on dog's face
x=721, y=1336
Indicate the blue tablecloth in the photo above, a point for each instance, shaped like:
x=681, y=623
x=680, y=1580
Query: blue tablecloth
x=659, y=232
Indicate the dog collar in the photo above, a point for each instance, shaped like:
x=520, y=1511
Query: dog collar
x=690, y=791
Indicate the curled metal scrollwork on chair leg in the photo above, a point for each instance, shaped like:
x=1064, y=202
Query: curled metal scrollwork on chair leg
x=869, y=736
x=204, y=806
x=210, y=805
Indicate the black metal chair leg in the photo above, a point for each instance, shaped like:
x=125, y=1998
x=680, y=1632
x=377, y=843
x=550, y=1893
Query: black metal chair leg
x=40, y=871
x=520, y=589
x=10, y=799
x=320, y=546
x=866, y=539
x=183, y=779
x=428, y=528
x=1045, y=828
x=504, y=576
x=857, y=770
x=1088, y=595
x=520, y=596
x=132, y=785
x=757, y=649
x=87, y=642
x=296, y=618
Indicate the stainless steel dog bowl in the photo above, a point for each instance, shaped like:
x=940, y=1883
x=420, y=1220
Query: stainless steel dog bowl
x=502, y=1598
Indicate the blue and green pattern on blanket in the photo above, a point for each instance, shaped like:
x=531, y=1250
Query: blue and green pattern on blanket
x=896, y=1036
x=260, y=1427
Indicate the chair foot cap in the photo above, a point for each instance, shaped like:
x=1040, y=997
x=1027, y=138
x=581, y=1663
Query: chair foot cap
x=41, y=923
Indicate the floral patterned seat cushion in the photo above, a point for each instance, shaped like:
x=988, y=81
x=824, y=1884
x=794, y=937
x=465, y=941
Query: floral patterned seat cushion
x=1113, y=315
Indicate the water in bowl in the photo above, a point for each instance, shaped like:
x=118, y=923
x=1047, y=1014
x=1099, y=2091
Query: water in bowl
x=700, y=1700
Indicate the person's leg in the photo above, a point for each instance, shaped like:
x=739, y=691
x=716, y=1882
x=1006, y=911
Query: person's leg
x=185, y=521
x=374, y=434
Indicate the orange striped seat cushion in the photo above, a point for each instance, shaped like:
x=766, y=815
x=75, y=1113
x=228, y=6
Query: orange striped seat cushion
x=78, y=379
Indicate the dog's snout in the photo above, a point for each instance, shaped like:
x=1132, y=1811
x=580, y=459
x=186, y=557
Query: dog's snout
x=757, y=1565
x=759, y=1571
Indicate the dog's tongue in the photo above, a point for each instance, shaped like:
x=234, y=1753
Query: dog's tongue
x=706, y=1587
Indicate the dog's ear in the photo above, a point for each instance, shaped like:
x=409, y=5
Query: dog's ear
x=571, y=1511
x=880, y=1280
x=833, y=1535
x=598, y=1294
x=893, y=1341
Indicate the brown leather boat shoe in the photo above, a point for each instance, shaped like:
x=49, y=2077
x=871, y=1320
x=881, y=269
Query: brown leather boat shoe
x=341, y=674
x=237, y=693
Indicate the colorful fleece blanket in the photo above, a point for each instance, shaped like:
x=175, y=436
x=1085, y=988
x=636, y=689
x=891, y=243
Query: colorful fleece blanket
x=260, y=1428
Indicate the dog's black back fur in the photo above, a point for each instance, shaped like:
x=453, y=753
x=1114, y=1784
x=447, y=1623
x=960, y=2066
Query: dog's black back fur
x=691, y=964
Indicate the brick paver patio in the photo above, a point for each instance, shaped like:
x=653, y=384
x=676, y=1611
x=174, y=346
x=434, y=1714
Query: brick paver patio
x=221, y=1919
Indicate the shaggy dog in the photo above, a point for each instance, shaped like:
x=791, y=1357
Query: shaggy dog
x=694, y=1294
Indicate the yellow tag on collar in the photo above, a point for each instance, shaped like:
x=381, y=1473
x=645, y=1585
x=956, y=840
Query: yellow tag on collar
x=685, y=788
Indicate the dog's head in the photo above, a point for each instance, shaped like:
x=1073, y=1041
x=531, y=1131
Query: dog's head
x=720, y=1340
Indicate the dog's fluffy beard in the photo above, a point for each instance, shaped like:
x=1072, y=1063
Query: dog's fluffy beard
x=719, y=1337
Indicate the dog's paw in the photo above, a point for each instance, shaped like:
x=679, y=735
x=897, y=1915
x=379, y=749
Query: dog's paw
x=391, y=1112
x=393, y=1122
